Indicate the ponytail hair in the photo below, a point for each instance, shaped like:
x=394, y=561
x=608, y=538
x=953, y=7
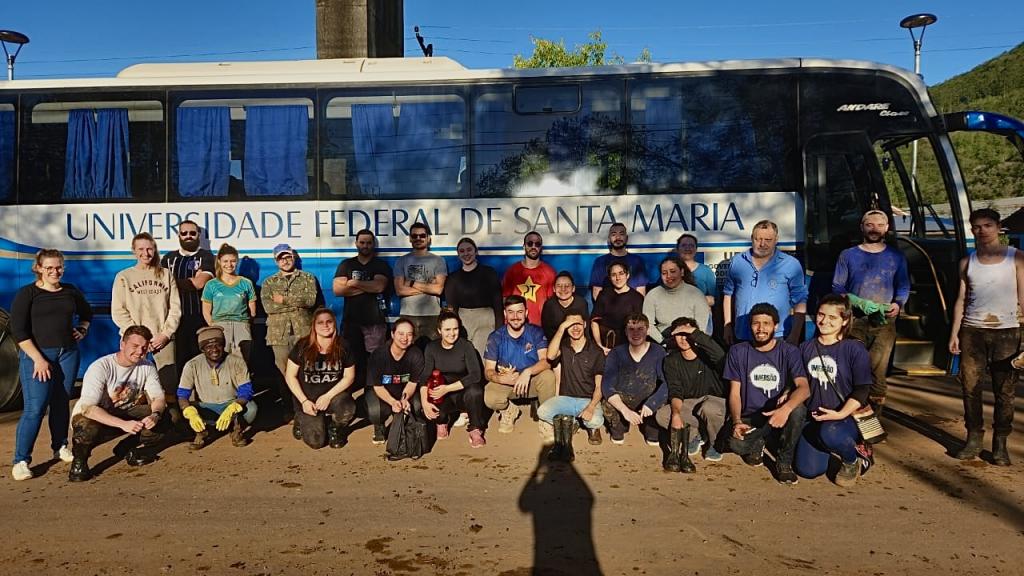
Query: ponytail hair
x=225, y=250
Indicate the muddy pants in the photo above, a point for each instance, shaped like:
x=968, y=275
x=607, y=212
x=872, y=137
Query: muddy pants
x=88, y=432
x=879, y=341
x=988, y=349
x=341, y=411
x=782, y=440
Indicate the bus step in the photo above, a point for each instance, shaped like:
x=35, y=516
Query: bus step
x=916, y=352
x=917, y=370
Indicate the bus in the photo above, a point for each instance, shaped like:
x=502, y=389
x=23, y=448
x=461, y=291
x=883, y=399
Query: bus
x=310, y=152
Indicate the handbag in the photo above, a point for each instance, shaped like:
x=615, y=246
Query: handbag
x=870, y=427
x=407, y=438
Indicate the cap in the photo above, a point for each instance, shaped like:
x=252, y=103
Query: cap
x=209, y=333
x=281, y=249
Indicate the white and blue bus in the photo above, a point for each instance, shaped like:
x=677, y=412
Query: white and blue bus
x=310, y=152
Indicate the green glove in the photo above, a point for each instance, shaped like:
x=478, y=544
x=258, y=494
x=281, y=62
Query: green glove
x=225, y=417
x=869, y=308
x=194, y=419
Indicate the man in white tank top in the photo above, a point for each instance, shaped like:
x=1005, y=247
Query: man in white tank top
x=986, y=332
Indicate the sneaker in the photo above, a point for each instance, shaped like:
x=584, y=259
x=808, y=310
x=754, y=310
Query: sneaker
x=64, y=454
x=442, y=431
x=786, y=474
x=462, y=420
x=618, y=438
x=755, y=459
x=712, y=455
x=21, y=471
x=379, y=437
x=848, y=473
x=650, y=442
x=693, y=448
x=867, y=457
x=508, y=418
x=594, y=436
x=476, y=439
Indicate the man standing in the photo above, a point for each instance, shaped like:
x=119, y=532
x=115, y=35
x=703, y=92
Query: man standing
x=363, y=282
x=768, y=387
x=693, y=371
x=419, y=282
x=289, y=298
x=617, y=241
x=764, y=274
x=986, y=332
x=192, y=267
x=120, y=391
x=530, y=278
x=220, y=388
x=875, y=277
x=634, y=380
x=516, y=364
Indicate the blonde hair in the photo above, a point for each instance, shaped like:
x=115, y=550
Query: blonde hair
x=157, y=269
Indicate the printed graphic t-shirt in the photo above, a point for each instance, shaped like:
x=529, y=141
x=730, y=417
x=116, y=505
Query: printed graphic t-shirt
x=763, y=376
x=320, y=376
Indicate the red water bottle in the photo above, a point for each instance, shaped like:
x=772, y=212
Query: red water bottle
x=436, y=379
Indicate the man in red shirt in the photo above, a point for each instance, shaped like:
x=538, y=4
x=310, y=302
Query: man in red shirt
x=530, y=278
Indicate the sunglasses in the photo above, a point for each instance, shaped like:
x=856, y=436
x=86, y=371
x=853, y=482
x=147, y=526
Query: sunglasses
x=417, y=236
x=534, y=244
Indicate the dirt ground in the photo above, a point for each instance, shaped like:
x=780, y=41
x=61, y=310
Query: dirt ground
x=277, y=507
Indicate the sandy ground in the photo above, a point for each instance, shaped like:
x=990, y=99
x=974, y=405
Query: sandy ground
x=277, y=507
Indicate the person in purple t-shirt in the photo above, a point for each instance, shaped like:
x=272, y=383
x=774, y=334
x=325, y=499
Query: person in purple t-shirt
x=840, y=374
x=768, y=387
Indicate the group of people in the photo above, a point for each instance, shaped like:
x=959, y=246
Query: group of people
x=643, y=356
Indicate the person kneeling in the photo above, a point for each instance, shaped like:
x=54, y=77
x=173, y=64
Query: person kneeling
x=120, y=392
x=577, y=390
x=220, y=387
x=391, y=378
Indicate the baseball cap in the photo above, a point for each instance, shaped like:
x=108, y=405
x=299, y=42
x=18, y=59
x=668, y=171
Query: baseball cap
x=281, y=249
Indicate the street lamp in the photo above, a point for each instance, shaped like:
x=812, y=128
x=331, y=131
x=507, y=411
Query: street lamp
x=912, y=23
x=14, y=38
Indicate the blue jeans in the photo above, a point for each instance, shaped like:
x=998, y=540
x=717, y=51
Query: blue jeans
x=204, y=409
x=571, y=406
x=54, y=393
x=820, y=440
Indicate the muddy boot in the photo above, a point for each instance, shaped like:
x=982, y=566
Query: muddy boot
x=1000, y=456
x=296, y=431
x=141, y=455
x=564, y=429
x=337, y=435
x=238, y=438
x=972, y=448
x=80, y=464
x=685, y=464
x=200, y=440
x=675, y=449
x=556, y=453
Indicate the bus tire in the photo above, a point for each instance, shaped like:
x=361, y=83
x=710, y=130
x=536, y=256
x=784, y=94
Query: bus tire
x=10, y=386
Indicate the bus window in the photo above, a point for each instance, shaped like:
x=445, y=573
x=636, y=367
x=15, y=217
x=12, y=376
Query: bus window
x=107, y=148
x=7, y=116
x=922, y=209
x=713, y=134
x=393, y=146
x=560, y=140
x=253, y=147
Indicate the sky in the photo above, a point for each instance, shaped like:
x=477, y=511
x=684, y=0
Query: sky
x=100, y=37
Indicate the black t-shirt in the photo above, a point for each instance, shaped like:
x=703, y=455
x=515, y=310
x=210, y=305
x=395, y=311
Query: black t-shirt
x=364, y=309
x=461, y=363
x=579, y=369
x=612, y=307
x=186, y=268
x=321, y=376
x=384, y=370
x=46, y=317
x=552, y=314
x=478, y=288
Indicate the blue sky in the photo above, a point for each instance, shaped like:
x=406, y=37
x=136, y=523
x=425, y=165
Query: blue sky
x=100, y=37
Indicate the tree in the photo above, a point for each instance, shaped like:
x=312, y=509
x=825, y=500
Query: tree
x=551, y=54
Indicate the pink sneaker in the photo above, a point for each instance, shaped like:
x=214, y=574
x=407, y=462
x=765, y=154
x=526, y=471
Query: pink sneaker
x=476, y=439
x=442, y=431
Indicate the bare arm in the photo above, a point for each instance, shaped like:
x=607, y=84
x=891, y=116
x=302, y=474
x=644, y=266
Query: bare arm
x=434, y=288
x=208, y=312
x=958, y=307
x=403, y=288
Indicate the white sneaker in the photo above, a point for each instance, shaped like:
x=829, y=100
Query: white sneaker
x=64, y=454
x=462, y=421
x=1018, y=362
x=21, y=471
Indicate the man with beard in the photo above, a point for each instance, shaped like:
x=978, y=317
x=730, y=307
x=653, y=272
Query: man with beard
x=419, y=281
x=363, y=282
x=874, y=276
x=768, y=387
x=516, y=364
x=530, y=278
x=618, y=238
x=764, y=274
x=634, y=384
x=192, y=267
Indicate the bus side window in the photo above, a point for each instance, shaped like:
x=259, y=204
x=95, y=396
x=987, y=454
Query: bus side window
x=7, y=121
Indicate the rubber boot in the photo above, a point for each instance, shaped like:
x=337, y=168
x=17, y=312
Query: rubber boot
x=238, y=438
x=337, y=435
x=972, y=448
x=675, y=448
x=551, y=434
x=80, y=465
x=1000, y=456
x=685, y=464
x=568, y=428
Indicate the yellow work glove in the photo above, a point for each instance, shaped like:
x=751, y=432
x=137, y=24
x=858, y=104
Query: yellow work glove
x=225, y=417
x=194, y=420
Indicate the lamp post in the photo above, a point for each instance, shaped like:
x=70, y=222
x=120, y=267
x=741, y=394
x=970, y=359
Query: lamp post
x=912, y=23
x=16, y=38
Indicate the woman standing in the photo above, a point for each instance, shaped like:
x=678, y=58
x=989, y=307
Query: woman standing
x=462, y=390
x=612, y=307
x=229, y=301
x=565, y=303
x=840, y=374
x=700, y=275
x=320, y=374
x=474, y=293
x=43, y=324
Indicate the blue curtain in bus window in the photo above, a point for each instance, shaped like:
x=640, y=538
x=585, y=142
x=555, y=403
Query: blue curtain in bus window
x=276, y=142
x=78, y=157
x=660, y=160
x=110, y=154
x=6, y=155
x=428, y=155
x=374, y=132
x=204, y=151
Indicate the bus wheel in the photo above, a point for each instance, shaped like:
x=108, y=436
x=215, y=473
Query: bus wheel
x=10, y=387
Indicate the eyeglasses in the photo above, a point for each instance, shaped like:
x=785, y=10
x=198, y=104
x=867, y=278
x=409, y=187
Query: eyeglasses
x=417, y=236
x=184, y=234
x=53, y=268
x=753, y=280
x=286, y=256
x=534, y=244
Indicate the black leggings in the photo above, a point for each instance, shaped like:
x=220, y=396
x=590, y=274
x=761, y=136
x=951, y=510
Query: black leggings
x=470, y=400
x=379, y=412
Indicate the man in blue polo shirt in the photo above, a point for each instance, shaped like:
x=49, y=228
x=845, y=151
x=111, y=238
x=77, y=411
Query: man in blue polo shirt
x=763, y=274
x=516, y=364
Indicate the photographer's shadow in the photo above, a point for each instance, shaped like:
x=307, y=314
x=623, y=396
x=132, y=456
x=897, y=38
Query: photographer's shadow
x=562, y=507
